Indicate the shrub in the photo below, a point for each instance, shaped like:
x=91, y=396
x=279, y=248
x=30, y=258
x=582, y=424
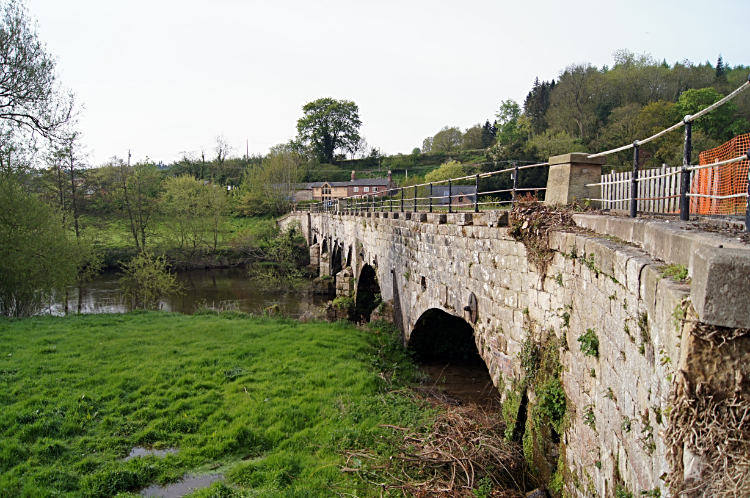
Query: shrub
x=590, y=343
x=147, y=280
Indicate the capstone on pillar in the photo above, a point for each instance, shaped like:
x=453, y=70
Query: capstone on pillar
x=568, y=176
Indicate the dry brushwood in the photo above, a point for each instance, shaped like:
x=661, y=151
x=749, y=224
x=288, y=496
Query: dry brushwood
x=718, y=335
x=530, y=223
x=717, y=430
x=464, y=446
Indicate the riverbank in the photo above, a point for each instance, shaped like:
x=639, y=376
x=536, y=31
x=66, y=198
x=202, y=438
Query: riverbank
x=267, y=403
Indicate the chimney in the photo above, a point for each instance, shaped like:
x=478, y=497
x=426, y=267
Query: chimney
x=354, y=175
x=390, y=178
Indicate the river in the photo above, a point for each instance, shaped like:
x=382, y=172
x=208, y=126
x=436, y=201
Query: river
x=216, y=288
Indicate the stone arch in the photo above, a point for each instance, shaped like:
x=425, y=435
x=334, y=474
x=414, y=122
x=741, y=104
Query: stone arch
x=349, y=256
x=324, y=246
x=336, y=263
x=438, y=334
x=368, y=293
x=315, y=240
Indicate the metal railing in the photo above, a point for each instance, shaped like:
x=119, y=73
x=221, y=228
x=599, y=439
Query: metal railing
x=684, y=172
x=422, y=197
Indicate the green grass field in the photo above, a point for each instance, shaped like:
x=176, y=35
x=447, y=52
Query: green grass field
x=268, y=403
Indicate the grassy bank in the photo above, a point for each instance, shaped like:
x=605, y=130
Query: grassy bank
x=269, y=403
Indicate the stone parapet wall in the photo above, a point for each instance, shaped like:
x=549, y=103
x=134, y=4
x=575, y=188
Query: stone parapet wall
x=617, y=403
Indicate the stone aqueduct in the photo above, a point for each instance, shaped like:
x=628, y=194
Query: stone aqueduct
x=605, y=282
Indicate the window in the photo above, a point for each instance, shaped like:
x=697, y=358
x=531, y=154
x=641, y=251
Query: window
x=356, y=189
x=367, y=189
x=460, y=198
x=374, y=189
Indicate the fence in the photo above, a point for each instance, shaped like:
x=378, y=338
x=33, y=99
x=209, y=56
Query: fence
x=721, y=190
x=718, y=185
x=658, y=190
x=426, y=197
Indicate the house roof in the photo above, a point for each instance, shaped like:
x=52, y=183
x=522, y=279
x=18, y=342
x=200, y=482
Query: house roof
x=365, y=182
x=456, y=190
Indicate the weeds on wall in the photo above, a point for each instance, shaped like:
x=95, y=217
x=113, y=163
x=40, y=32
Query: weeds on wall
x=589, y=343
x=530, y=223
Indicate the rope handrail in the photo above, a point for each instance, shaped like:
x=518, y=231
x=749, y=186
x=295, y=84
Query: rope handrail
x=722, y=163
x=732, y=196
x=719, y=103
x=628, y=180
x=390, y=192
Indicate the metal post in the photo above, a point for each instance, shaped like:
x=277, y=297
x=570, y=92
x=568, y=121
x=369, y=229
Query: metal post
x=634, y=182
x=747, y=209
x=685, y=183
x=402, y=199
x=415, y=198
x=515, y=184
x=390, y=198
x=430, y=197
x=476, y=195
x=450, y=197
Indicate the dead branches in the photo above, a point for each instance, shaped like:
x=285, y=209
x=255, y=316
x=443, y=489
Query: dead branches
x=464, y=448
x=709, y=443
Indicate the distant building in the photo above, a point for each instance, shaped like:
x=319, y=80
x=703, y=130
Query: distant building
x=369, y=187
x=461, y=195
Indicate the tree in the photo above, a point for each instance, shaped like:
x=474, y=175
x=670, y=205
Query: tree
x=147, y=281
x=447, y=140
x=573, y=101
x=37, y=257
x=719, y=124
x=427, y=145
x=185, y=204
x=30, y=95
x=329, y=125
x=536, y=104
x=446, y=171
x=508, y=130
x=472, y=138
x=270, y=186
x=488, y=134
x=721, y=69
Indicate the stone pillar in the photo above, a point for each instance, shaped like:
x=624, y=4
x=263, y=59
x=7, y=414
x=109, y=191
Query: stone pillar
x=568, y=175
x=315, y=256
x=345, y=286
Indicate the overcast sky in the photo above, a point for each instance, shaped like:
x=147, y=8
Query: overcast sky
x=164, y=76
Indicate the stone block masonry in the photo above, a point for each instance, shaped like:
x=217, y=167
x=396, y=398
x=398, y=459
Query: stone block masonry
x=596, y=289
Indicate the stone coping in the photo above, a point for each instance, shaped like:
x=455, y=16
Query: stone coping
x=719, y=266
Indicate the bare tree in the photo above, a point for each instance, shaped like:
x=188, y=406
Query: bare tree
x=30, y=95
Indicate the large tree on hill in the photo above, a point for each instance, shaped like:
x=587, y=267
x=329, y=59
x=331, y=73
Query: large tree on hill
x=330, y=125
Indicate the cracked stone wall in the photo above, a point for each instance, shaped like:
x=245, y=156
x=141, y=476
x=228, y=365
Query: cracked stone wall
x=617, y=401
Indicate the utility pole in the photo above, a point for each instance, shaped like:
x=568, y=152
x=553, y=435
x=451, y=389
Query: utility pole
x=247, y=150
x=128, y=157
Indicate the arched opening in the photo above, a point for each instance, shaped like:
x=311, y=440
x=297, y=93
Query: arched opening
x=324, y=247
x=438, y=334
x=315, y=239
x=445, y=349
x=368, y=294
x=349, y=257
x=336, y=265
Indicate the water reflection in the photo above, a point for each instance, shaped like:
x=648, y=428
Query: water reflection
x=186, y=486
x=466, y=379
x=218, y=288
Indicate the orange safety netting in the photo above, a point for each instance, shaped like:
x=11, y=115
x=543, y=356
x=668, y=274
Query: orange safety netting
x=724, y=180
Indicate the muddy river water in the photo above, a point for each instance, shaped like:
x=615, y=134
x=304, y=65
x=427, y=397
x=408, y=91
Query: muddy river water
x=217, y=288
x=466, y=379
